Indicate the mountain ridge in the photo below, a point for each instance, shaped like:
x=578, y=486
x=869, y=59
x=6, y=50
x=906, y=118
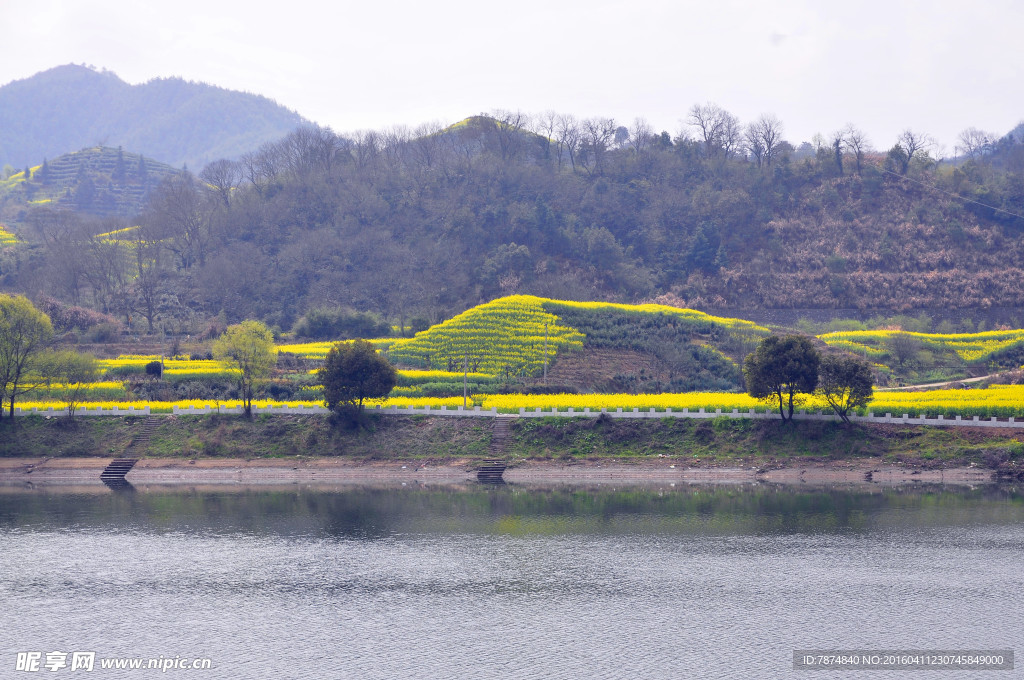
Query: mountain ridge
x=172, y=120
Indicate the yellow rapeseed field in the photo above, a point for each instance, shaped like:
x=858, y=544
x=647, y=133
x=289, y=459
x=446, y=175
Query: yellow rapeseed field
x=1002, y=401
x=971, y=347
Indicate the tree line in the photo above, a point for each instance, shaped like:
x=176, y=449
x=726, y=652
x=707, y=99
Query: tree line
x=422, y=223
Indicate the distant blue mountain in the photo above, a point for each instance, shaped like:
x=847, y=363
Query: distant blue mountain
x=169, y=119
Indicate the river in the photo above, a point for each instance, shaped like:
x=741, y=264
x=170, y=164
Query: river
x=478, y=581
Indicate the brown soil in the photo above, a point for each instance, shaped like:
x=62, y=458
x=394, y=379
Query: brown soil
x=591, y=369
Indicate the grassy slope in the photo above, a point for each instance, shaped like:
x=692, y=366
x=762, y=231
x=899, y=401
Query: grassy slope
x=238, y=437
x=695, y=442
x=723, y=441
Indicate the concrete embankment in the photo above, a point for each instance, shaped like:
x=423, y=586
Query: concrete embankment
x=320, y=471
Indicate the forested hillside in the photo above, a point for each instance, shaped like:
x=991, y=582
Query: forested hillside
x=171, y=120
x=427, y=223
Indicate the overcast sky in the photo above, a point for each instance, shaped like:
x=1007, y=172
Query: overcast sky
x=935, y=66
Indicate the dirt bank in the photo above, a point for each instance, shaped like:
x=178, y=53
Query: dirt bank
x=233, y=449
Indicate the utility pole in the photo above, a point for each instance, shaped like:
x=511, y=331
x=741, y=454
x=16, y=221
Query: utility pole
x=465, y=377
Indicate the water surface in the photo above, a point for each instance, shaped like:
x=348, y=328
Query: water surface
x=505, y=582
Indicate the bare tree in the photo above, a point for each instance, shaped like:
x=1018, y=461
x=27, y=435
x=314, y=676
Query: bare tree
x=856, y=142
x=718, y=129
x=915, y=142
x=545, y=126
x=598, y=135
x=261, y=166
x=568, y=139
x=396, y=142
x=309, y=149
x=108, y=272
x=149, y=275
x=763, y=137
x=426, y=148
x=975, y=143
x=915, y=146
x=508, y=132
x=64, y=237
x=368, y=151
x=222, y=177
x=640, y=135
x=178, y=216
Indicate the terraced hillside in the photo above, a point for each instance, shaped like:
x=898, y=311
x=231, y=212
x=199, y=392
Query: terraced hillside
x=98, y=181
x=590, y=345
x=930, y=357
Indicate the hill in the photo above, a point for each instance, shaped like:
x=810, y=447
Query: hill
x=99, y=181
x=590, y=345
x=654, y=348
x=609, y=347
x=172, y=120
x=422, y=227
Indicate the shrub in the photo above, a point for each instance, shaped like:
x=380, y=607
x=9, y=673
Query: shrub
x=103, y=332
x=65, y=318
x=339, y=324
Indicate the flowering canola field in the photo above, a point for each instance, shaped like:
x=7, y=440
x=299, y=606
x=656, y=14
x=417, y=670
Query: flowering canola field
x=319, y=350
x=505, y=336
x=971, y=347
x=175, y=369
x=168, y=406
x=682, y=313
x=1001, y=401
x=6, y=237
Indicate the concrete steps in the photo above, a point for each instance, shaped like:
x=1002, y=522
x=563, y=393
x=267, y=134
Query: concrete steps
x=118, y=468
x=492, y=469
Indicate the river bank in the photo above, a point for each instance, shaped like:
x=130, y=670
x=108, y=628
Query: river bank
x=233, y=449
x=338, y=472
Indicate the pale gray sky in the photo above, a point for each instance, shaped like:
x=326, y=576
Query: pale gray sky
x=936, y=66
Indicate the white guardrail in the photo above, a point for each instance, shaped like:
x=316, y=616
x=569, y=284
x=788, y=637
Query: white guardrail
x=478, y=412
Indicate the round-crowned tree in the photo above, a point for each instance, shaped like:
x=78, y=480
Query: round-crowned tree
x=845, y=382
x=780, y=369
x=352, y=372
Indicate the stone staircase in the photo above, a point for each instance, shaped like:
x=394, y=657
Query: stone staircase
x=500, y=434
x=119, y=467
x=492, y=469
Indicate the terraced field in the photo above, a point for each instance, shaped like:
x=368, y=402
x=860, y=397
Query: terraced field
x=495, y=347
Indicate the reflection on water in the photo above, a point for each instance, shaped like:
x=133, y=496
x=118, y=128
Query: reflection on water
x=484, y=581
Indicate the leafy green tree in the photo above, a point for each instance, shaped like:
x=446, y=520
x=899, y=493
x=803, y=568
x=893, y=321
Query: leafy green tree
x=704, y=248
x=353, y=372
x=70, y=372
x=845, y=382
x=897, y=160
x=24, y=332
x=781, y=368
x=250, y=347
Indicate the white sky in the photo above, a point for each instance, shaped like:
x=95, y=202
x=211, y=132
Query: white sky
x=935, y=66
